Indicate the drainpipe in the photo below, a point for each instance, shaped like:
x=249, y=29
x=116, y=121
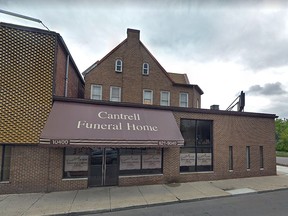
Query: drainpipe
x=66, y=75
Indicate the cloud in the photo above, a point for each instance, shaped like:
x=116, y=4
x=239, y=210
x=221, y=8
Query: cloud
x=278, y=107
x=203, y=31
x=269, y=89
x=224, y=46
x=210, y=33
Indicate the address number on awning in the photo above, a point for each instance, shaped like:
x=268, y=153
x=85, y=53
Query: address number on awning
x=59, y=142
x=167, y=143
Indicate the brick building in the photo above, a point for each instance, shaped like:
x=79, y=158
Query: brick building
x=135, y=76
x=133, y=124
x=35, y=65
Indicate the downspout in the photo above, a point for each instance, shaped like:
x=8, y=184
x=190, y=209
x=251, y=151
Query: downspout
x=66, y=76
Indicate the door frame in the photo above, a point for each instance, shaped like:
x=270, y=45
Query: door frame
x=103, y=168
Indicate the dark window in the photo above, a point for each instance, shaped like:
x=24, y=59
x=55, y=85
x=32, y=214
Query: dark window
x=230, y=157
x=261, y=157
x=5, y=153
x=197, y=153
x=140, y=161
x=76, y=162
x=248, y=160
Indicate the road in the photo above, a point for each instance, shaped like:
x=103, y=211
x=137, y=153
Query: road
x=282, y=160
x=256, y=204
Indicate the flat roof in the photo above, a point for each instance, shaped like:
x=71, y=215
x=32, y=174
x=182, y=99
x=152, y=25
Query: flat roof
x=170, y=108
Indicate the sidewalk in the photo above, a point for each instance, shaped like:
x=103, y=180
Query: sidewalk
x=106, y=199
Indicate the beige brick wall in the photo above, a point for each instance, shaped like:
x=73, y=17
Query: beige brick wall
x=228, y=130
x=239, y=132
x=36, y=169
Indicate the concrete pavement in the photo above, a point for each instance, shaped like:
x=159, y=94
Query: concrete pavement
x=104, y=199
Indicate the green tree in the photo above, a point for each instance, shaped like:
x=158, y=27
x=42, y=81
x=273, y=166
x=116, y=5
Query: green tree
x=281, y=126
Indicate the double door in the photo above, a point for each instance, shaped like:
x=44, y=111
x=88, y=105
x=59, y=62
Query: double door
x=104, y=167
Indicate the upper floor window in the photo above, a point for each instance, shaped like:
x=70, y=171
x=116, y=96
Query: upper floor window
x=96, y=92
x=165, y=98
x=198, y=104
x=147, y=96
x=145, y=69
x=118, y=65
x=183, y=100
x=115, y=94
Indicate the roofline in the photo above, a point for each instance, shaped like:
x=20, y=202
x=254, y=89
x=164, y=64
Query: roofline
x=186, y=78
x=27, y=28
x=191, y=86
x=90, y=68
x=98, y=62
x=170, y=108
x=151, y=55
x=71, y=58
x=117, y=47
x=160, y=66
x=42, y=31
x=184, y=74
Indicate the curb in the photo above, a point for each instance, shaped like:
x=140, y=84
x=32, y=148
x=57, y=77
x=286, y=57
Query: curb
x=163, y=204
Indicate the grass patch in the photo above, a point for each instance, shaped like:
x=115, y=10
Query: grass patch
x=281, y=154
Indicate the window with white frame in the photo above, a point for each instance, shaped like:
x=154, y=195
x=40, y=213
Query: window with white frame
x=183, y=100
x=198, y=104
x=96, y=92
x=147, y=96
x=165, y=98
x=115, y=94
x=145, y=69
x=118, y=65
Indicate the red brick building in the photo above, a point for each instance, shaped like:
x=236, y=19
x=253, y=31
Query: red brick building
x=132, y=124
x=135, y=76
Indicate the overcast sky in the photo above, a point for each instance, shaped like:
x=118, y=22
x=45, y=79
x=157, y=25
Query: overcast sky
x=223, y=47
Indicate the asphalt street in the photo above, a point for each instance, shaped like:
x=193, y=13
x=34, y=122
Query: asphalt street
x=282, y=161
x=256, y=204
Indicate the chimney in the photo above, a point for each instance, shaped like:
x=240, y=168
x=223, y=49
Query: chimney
x=214, y=107
x=133, y=35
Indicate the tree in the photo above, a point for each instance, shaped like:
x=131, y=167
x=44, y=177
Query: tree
x=281, y=126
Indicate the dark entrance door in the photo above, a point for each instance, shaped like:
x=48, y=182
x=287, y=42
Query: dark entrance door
x=103, y=169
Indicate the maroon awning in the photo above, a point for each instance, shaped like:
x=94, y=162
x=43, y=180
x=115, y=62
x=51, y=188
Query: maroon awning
x=79, y=124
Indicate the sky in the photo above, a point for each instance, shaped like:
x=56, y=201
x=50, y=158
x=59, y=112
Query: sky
x=223, y=46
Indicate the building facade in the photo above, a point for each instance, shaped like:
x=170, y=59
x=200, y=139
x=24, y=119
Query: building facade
x=132, y=124
x=35, y=65
x=130, y=73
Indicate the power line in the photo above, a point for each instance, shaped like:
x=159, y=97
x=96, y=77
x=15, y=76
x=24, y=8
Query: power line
x=23, y=17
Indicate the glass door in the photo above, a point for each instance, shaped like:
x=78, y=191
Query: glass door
x=96, y=167
x=111, y=167
x=104, y=167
